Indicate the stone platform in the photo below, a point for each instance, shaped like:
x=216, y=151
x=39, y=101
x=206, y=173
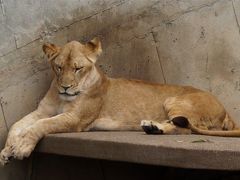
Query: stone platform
x=184, y=151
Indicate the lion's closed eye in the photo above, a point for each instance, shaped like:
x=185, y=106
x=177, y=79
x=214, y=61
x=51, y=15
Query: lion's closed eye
x=78, y=69
x=59, y=68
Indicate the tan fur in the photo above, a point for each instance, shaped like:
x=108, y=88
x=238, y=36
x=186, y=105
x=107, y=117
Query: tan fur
x=93, y=101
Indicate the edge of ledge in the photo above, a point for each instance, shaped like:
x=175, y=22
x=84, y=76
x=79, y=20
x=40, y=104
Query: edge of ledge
x=173, y=150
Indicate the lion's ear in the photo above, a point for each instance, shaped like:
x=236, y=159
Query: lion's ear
x=94, y=48
x=51, y=50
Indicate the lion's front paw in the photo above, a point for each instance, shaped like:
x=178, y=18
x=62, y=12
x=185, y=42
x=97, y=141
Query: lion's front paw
x=23, y=148
x=6, y=155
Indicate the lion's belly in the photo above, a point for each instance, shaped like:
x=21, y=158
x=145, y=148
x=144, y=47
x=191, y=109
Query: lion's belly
x=125, y=118
x=133, y=112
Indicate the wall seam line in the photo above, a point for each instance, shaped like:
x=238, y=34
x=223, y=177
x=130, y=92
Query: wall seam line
x=106, y=9
x=4, y=117
x=159, y=60
x=63, y=27
x=2, y=7
x=234, y=11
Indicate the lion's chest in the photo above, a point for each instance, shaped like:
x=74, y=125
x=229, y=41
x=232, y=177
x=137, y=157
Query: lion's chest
x=63, y=107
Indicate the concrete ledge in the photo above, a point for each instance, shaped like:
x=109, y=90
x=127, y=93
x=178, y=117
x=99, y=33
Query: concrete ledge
x=185, y=151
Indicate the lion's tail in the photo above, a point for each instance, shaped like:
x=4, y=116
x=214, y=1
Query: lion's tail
x=224, y=133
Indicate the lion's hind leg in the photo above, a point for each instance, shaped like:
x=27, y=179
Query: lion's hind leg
x=165, y=127
x=228, y=123
x=151, y=127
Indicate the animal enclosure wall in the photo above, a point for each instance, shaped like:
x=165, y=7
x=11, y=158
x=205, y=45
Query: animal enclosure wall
x=188, y=42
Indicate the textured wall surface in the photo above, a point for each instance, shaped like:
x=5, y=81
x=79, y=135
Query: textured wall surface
x=190, y=42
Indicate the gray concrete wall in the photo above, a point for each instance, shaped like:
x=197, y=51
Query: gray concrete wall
x=190, y=42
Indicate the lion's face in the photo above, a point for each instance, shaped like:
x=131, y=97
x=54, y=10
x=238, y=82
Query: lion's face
x=74, y=66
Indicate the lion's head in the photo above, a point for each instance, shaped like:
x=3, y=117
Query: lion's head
x=74, y=66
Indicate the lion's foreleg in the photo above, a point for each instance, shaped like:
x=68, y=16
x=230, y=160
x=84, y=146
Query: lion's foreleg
x=15, y=130
x=29, y=137
x=25, y=122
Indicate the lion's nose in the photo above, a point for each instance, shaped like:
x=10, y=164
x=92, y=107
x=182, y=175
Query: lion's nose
x=66, y=87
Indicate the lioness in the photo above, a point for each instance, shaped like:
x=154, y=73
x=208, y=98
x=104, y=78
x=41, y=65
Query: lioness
x=82, y=98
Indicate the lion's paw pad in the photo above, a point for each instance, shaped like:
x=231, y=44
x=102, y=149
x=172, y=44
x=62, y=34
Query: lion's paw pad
x=150, y=128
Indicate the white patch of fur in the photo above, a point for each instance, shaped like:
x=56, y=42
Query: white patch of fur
x=145, y=123
x=104, y=124
x=150, y=123
x=18, y=130
x=60, y=108
x=67, y=98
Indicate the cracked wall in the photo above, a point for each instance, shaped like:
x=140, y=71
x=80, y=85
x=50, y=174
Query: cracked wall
x=185, y=42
